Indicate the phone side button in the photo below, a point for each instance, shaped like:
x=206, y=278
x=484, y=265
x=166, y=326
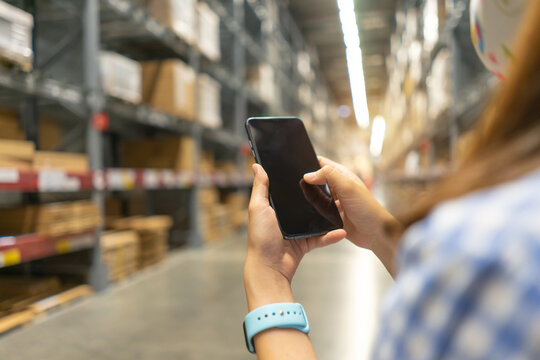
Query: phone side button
x=253, y=152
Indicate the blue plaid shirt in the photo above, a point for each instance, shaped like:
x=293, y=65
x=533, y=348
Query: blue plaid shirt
x=469, y=280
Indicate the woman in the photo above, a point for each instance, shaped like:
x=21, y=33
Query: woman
x=467, y=268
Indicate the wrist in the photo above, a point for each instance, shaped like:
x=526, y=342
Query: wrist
x=265, y=285
x=386, y=244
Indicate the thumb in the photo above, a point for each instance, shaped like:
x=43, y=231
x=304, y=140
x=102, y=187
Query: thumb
x=259, y=194
x=326, y=175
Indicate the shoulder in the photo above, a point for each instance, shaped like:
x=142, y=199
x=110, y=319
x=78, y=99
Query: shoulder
x=497, y=224
x=468, y=278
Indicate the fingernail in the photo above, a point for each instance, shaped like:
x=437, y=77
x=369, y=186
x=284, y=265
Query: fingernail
x=309, y=176
x=255, y=169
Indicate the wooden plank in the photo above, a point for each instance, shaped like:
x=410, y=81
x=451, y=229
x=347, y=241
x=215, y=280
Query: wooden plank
x=60, y=160
x=16, y=320
x=17, y=149
x=60, y=299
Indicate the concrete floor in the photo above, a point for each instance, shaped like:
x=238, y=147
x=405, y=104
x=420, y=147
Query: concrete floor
x=192, y=308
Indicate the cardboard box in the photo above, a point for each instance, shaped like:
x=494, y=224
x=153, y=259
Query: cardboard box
x=208, y=163
x=140, y=223
x=177, y=15
x=438, y=90
x=18, y=220
x=209, y=43
x=304, y=65
x=237, y=204
x=170, y=86
x=209, y=97
x=177, y=153
x=50, y=134
x=121, y=77
x=216, y=222
x=61, y=161
x=16, y=36
x=10, y=126
x=153, y=234
x=261, y=79
x=55, y=219
x=208, y=197
x=120, y=252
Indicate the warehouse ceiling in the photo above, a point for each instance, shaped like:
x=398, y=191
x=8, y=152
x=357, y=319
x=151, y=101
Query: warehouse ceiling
x=319, y=21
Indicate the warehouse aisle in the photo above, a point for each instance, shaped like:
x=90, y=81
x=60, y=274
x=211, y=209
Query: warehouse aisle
x=192, y=308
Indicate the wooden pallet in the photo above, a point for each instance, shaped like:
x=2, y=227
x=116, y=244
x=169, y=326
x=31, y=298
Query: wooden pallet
x=60, y=300
x=14, y=321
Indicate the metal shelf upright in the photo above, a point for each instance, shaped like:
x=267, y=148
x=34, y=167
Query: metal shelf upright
x=98, y=276
x=66, y=78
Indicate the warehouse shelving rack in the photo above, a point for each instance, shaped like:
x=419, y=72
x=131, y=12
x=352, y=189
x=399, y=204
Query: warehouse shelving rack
x=79, y=30
x=471, y=86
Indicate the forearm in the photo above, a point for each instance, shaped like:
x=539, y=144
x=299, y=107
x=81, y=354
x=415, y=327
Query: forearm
x=265, y=287
x=387, y=242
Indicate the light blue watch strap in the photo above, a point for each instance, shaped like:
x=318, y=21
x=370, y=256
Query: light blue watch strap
x=280, y=315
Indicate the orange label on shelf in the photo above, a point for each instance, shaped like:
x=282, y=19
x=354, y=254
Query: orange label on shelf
x=62, y=246
x=10, y=257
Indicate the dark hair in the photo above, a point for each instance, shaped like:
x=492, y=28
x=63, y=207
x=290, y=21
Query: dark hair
x=506, y=144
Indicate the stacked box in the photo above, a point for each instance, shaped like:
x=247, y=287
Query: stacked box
x=177, y=153
x=56, y=219
x=304, y=66
x=439, y=86
x=50, y=134
x=177, y=15
x=215, y=218
x=153, y=232
x=209, y=97
x=18, y=293
x=46, y=160
x=261, y=79
x=120, y=251
x=10, y=126
x=16, y=36
x=226, y=167
x=209, y=43
x=121, y=77
x=16, y=154
x=208, y=162
x=237, y=204
x=305, y=95
x=170, y=86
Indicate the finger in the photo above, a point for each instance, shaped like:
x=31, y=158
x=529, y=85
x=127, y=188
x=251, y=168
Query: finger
x=329, y=238
x=320, y=200
x=325, y=175
x=341, y=168
x=325, y=161
x=259, y=194
x=338, y=205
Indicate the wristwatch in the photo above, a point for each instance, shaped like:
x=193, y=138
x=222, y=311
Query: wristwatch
x=278, y=315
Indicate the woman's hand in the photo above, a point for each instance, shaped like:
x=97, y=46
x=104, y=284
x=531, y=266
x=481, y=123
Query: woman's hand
x=367, y=223
x=271, y=260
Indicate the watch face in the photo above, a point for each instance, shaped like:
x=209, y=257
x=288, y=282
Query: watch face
x=246, y=338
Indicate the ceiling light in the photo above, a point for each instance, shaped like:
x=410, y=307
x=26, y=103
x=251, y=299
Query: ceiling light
x=378, y=131
x=351, y=38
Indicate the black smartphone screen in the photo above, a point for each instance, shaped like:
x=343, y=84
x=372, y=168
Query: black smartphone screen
x=283, y=148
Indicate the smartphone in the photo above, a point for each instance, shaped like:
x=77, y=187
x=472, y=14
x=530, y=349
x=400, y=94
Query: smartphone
x=282, y=147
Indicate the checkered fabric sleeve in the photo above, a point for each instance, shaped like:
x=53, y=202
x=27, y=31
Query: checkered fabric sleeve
x=469, y=280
